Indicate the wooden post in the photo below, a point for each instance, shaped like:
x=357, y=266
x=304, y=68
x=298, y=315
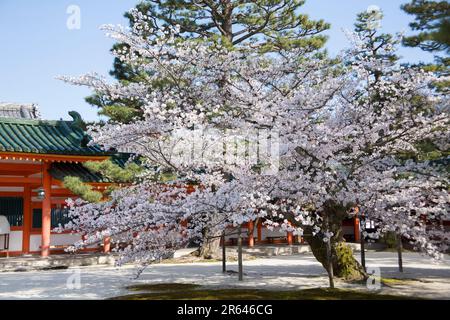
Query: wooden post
x=6, y=245
x=330, y=264
x=46, y=211
x=240, y=267
x=363, y=252
x=362, y=226
x=399, y=252
x=224, y=254
x=251, y=238
x=329, y=255
x=27, y=219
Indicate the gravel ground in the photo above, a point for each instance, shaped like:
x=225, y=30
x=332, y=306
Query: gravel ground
x=423, y=277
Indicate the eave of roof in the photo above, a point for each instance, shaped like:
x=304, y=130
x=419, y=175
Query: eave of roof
x=45, y=137
x=61, y=170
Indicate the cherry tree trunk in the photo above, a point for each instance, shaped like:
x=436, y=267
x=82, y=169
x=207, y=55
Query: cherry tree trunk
x=240, y=265
x=211, y=245
x=344, y=262
x=399, y=252
x=224, y=254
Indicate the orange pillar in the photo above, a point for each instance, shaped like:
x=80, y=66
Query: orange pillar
x=251, y=238
x=356, y=228
x=27, y=219
x=46, y=211
x=106, y=244
x=290, y=238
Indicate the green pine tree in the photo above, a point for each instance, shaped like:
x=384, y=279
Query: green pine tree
x=379, y=45
x=432, y=22
x=264, y=25
x=110, y=171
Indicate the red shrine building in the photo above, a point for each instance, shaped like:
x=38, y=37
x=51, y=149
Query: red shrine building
x=36, y=155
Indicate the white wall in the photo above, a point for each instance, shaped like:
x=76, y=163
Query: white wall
x=276, y=232
x=234, y=233
x=63, y=239
x=35, y=242
x=15, y=241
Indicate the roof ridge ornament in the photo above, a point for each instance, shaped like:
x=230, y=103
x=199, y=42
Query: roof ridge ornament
x=79, y=123
x=77, y=120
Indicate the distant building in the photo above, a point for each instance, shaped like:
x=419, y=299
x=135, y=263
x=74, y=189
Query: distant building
x=19, y=111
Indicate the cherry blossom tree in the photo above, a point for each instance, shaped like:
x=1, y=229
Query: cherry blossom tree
x=343, y=140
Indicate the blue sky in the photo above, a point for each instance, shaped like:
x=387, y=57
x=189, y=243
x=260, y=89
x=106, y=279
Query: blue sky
x=36, y=45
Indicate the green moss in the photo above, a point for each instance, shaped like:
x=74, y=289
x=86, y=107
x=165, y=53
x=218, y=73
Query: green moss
x=158, y=287
x=400, y=282
x=255, y=294
x=349, y=266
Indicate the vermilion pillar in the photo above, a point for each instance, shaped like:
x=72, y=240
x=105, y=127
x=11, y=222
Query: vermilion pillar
x=46, y=211
x=356, y=228
x=106, y=244
x=290, y=238
x=27, y=219
x=251, y=239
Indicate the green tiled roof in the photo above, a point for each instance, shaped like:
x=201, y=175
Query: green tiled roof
x=45, y=137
